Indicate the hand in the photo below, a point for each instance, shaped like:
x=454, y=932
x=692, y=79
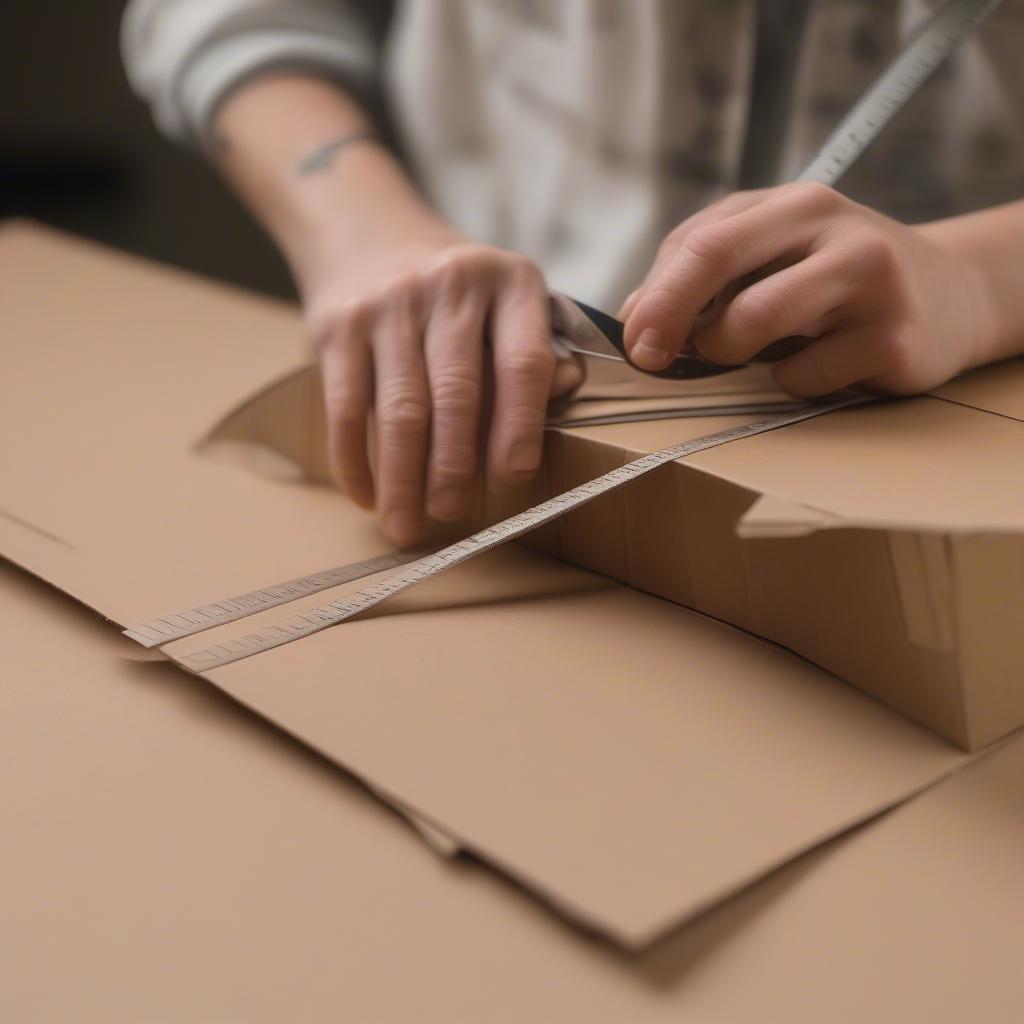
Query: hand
x=891, y=307
x=412, y=343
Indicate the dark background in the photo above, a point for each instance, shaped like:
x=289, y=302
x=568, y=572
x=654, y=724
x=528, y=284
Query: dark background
x=78, y=150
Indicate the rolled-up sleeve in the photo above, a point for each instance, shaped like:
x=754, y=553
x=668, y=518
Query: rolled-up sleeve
x=185, y=56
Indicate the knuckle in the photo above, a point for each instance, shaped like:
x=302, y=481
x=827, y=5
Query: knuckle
x=455, y=393
x=876, y=252
x=401, y=295
x=404, y=411
x=758, y=316
x=664, y=304
x=455, y=270
x=522, y=422
x=453, y=459
x=535, y=364
x=710, y=245
x=814, y=197
x=455, y=385
x=522, y=270
x=675, y=238
x=331, y=326
x=346, y=405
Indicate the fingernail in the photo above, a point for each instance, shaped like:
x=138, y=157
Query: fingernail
x=402, y=526
x=446, y=504
x=524, y=457
x=649, y=350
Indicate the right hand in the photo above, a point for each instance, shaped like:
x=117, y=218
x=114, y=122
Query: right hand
x=409, y=348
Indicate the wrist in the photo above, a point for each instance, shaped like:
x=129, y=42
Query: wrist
x=985, y=247
x=342, y=219
x=304, y=158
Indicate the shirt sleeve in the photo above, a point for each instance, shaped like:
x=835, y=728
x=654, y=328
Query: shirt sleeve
x=184, y=56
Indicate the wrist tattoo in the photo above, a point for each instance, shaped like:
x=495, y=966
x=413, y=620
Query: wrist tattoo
x=322, y=158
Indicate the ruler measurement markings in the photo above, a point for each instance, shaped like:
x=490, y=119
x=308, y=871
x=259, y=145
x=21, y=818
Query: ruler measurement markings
x=313, y=620
x=163, y=630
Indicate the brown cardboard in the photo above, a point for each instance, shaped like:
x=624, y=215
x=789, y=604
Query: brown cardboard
x=852, y=540
x=629, y=760
x=856, y=540
x=170, y=857
x=677, y=757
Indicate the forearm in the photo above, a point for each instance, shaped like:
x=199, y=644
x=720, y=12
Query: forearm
x=992, y=243
x=327, y=206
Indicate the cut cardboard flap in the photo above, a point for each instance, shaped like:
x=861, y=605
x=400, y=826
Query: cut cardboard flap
x=630, y=760
x=771, y=516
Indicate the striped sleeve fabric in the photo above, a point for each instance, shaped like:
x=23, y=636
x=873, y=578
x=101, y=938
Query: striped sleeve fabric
x=185, y=56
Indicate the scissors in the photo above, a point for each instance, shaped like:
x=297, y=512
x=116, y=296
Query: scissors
x=590, y=334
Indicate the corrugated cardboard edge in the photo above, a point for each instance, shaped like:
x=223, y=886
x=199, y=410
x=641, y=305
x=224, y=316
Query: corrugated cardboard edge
x=922, y=561
x=989, y=594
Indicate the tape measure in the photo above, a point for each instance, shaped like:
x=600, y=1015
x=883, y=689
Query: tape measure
x=230, y=609
x=429, y=566
x=928, y=47
x=926, y=50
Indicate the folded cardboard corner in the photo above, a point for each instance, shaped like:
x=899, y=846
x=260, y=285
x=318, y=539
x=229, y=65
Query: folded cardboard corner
x=885, y=544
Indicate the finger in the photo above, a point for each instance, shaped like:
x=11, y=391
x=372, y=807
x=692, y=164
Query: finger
x=836, y=361
x=346, y=369
x=800, y=300
x=733, y=203
x=402, y=413
x=454, y=356
x=524, y=365
x=568, y=376
x=786, y=226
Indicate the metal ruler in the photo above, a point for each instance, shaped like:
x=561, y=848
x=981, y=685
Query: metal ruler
x=429, y=566
x=933, y=42
x=229, y=609
x=925, y=51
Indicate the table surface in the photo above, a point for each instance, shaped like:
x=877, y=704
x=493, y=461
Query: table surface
x=169, y=856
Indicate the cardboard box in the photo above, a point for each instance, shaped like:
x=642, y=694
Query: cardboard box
x=884, y=543
x=168, y=856
x=628, y=760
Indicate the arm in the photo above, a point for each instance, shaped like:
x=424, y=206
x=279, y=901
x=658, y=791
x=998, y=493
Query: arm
x=412, y=322
x=406, y=314
x=891, y=307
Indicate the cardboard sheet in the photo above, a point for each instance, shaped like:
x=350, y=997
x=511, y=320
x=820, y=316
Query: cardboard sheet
x=959, y=457
x=677, y=759
x=175, y=858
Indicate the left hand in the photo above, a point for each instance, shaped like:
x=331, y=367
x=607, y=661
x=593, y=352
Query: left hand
x=889, y=306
